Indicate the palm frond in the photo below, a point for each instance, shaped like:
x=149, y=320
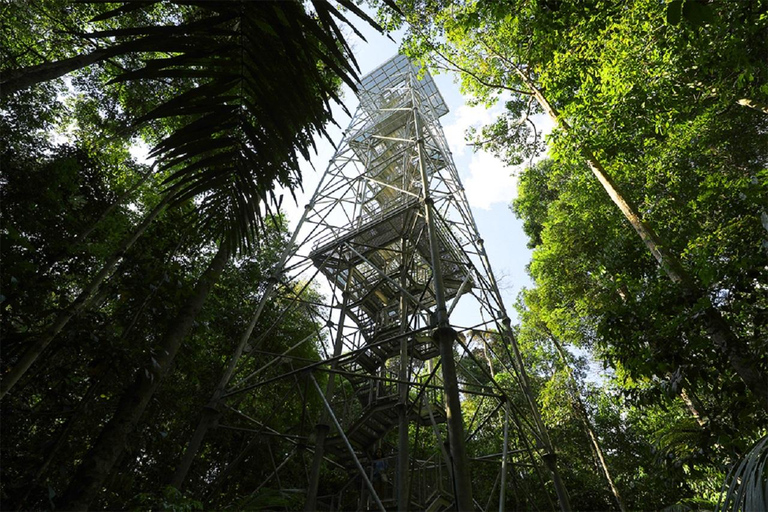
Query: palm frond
x=258, y=80
x=748, y=482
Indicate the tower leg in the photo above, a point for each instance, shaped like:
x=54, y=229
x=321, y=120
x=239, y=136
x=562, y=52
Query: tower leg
x=445, y=338
x=321, y=430
x=402, y=459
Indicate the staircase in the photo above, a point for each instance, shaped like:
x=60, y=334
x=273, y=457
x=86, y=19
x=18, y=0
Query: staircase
x=379, y=399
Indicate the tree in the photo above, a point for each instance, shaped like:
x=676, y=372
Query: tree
x=596, y=290
x=251, y=87
x=570, y=387
x=51, y=421
x=593, y=75
x=243, y=88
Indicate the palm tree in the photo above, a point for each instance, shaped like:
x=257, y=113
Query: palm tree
x=256, y=80
x=747, y=481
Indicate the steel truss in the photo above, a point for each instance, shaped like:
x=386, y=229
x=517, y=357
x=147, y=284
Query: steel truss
x=390, y=237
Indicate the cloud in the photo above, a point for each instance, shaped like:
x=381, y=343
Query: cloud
x=486, y=179
x=465, y=117
x=490, y=181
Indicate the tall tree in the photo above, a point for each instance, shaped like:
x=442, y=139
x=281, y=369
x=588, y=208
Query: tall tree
x=533, y=326
x=608, y=78
x=596, y=289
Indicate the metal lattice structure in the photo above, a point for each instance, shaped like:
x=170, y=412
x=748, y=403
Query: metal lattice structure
x=390, y=236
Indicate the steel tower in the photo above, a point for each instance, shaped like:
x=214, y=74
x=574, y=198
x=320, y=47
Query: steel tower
x=389, y=235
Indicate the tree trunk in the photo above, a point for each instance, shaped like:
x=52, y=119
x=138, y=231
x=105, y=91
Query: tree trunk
x=213, y=487
x=80, y=238
x=61, y=437
x=17, y=80
x=692, y=409
x=88, y=480
x=210, y=416
x=581, y=411
x=211, y=410
x=80, y=303
x=715, y=325
x=599, y=452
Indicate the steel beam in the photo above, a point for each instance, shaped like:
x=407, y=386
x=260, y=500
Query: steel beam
x=360, y=469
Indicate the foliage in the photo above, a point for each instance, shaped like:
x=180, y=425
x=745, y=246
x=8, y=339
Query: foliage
x=60, y=408
x=748, y=481
x=71, y=194
x=255, y=87
x=240, y=90
x=171, y=499
x=655, y=93
x=230, y=96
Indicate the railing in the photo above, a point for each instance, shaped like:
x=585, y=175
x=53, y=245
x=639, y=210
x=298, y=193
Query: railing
x=430, y=479
x=374, y=216
x=433, y=394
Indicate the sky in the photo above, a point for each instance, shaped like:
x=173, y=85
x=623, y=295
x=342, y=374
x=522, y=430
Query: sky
x=490, y=185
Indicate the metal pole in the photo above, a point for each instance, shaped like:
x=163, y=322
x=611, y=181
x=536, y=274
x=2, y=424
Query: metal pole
x=550, y=459
x=274, y=473
x=210, y=410
x=351, y=450
x=322, y=427
x=503, y=490
x=445, y=337
x=402, y=406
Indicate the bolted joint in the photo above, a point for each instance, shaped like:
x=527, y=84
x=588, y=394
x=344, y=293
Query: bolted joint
x=445, y=334
x=429, y=201
x=550, y=460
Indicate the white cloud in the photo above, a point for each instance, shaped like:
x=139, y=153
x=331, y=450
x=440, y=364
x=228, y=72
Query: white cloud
x=465, y=117
x=490, y=181
x=486, y=179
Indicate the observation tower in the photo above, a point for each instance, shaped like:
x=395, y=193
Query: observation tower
x=389, y=235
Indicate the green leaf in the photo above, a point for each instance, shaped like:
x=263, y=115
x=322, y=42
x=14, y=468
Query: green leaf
x=697, y=14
